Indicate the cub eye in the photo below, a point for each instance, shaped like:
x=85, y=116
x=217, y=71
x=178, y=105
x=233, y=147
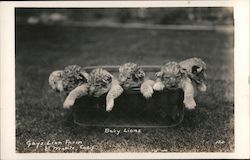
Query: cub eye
x=82, y=76
x=166, y=77
x=103, y=84
x=178, y=75
x=97, y=85
x=129, y=78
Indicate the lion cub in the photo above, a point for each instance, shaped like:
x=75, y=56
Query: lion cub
x=172, y=75
x=131, y=75
x=73, y=80
x=101, y=82
x=196, y=68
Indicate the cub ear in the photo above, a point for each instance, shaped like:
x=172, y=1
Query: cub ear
x=196, y=69
x=183, y=70
x=159, y=74
x=120, y=69
x=140, y=74
x=107, y=78
x=85, y=76
x=59, y=74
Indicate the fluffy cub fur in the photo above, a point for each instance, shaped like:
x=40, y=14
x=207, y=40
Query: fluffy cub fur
x=101, y=82
x=173, y=76
x=57, y=81
x=131, y=75
x=196, y=68
x=73, y=80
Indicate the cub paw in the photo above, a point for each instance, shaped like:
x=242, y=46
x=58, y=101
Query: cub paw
x=158, y=86
x=147, y=92
x=190, y=103
x=109, y=106
x=202, y=88
x=68, y=103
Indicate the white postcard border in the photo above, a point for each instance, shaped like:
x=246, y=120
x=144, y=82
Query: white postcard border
x=241, y=61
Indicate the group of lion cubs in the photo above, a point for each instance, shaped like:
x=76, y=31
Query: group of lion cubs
x=188, y=75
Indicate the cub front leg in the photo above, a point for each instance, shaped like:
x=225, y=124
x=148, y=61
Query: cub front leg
x=158, y=85
x=78, y=92
x=147, y=88
x=186, y=85
x=115, y=91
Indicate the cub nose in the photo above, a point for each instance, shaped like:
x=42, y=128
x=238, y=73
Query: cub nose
x=172, y=82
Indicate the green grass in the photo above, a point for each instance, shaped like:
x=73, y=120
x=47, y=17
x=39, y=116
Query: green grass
x=43, y=49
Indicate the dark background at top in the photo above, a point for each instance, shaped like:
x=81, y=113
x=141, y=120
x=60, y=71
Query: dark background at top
x=191, y=16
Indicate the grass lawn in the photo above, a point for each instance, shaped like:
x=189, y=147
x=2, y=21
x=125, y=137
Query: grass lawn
x=39, y=113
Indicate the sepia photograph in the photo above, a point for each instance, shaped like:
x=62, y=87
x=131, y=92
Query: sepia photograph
x=124, y=79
